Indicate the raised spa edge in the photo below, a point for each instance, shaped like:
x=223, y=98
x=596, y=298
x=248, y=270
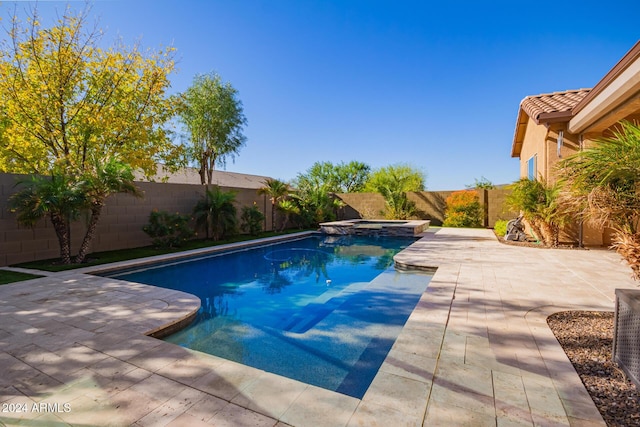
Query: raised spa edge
x=368, y=227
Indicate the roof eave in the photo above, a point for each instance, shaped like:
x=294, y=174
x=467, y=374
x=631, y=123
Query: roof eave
x=518, y=134
x=616, y=87
x=555, y=117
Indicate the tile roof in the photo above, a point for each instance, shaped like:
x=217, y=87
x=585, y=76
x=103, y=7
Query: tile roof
x=549, y=103
x=556, y=107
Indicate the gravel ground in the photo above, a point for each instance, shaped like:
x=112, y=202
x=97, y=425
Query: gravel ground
x=587, y=338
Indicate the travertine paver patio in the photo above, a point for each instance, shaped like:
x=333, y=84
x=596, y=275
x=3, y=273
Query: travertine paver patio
x=476, y=351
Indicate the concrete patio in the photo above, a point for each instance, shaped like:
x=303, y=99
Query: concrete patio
x=476, y=351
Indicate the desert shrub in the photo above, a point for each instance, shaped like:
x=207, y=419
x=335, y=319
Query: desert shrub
x=168, y=230
x=251, y=220
x=500, y=227
x=539, y=203
x=463, y=210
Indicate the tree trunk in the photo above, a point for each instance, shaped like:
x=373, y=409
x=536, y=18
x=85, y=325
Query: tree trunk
x=96, y=210
x=285, y=221
x=547, y=233
x=209, y=175
x=203, y=169
x=556, y=235
x=535, y=229
x=273, y=214
x=63, y=232
x=210, y=167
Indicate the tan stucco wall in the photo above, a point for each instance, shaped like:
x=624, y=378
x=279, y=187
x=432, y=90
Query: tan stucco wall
x=543, y=141
x=533, y=143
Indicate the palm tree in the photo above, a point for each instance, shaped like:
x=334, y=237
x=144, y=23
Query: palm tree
x=59, y=197
x=276, y=190
x=393, y=183
x=602, y=185
x=539, y=203
x=108, y=177
x=288, y=207
x=216, y=212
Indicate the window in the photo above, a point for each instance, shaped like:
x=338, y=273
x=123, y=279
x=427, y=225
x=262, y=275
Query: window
x=532, y=167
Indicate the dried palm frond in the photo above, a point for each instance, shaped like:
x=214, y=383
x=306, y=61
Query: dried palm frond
x=628, y=246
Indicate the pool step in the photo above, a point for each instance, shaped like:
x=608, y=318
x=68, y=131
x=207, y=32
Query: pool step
x=319, y=308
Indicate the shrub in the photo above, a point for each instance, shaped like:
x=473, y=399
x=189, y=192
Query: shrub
x=393, y=183
x=500, y=227
x=216, y=213
x=251, y=220
x=602, y=185
x=463, y=210
x=168, y=230
x=538, y=202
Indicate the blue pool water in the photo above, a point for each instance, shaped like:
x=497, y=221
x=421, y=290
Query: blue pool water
x=322, y=310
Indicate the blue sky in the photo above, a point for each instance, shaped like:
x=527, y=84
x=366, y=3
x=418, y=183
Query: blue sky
x=433, y=84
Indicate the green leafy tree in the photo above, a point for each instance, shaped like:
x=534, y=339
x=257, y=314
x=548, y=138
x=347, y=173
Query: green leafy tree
x=339, y=178
x=393, y=183
x=481, y=184
x=69, y=105
x=216, y=213
x=67, y=101
x=602, y=185
x=352, y=176
x=276, y=190
x=315, y=201
x=214, y=117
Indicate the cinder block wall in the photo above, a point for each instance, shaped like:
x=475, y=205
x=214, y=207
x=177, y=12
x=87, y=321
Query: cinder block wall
x=124, y=216
x=362, y=205
x=120, y=224
x=430, y=204
x=495, y=206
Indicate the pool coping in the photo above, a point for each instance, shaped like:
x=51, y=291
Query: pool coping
x=443, y=369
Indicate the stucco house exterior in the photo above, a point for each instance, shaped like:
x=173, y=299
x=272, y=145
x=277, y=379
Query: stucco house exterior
x=552, y=126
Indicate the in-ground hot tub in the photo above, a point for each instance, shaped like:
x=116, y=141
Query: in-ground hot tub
x=368, y=227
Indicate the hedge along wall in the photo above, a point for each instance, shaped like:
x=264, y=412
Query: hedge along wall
x=430, y=205
x=120, y=225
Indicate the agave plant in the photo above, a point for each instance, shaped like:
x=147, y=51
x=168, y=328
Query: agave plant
x=602, y=185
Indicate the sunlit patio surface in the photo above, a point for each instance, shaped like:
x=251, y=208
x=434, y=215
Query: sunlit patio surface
x=476, y=351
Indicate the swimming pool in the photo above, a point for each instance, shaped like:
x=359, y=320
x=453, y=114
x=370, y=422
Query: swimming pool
x=324, y=310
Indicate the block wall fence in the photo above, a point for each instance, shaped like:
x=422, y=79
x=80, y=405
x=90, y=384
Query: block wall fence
x=120, y=225
x=123, y=217
x=430, y=204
